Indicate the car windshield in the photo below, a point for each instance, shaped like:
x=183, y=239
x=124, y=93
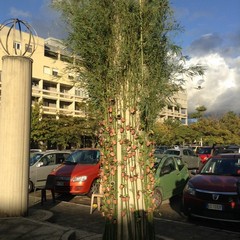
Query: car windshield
x=172, y=152
x=83, y=157
x=220, y=166
x=204, y=150
x=35, y=158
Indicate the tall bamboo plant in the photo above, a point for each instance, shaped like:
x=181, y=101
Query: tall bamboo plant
x=128, y=65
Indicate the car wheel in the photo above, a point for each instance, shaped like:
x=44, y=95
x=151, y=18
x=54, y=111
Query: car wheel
x=157, y=196
x=30, y=186
x=94, y=188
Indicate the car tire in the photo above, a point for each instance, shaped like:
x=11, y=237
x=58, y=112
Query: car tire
x=30, y=186
x=94, y=188
x=157, y=196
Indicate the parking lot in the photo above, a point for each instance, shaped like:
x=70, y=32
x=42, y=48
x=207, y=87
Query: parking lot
x=170, y=210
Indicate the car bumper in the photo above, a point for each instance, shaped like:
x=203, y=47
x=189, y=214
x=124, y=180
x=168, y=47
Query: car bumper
x=76, y=189
x=228, y=212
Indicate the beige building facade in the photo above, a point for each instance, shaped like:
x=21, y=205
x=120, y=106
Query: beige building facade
x=176, y=108
x=53, y=83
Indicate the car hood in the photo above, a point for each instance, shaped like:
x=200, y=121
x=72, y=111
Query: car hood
x=215, y=183
x=75, y=170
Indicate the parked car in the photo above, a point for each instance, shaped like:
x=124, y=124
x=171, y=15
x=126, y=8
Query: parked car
x=188, y=156
x=204, y=153
x=233, y=148
x=34, y=151
x=195, y=148
x=214, y=193
x=170, y=178
x=79, y=174
x=41, y=164
x=207, y=152
x=159, y=150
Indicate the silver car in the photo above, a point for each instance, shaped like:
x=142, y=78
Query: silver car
x=187, y=155
x=41, y=164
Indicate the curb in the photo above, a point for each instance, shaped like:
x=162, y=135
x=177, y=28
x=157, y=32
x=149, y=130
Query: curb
x=39, y=215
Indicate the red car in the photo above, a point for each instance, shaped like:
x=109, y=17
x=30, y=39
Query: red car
x=214, y=193
x=79, y=174
x=204, y=153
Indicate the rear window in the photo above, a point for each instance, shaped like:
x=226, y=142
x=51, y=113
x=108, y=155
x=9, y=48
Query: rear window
x=172, y=152
x=204, y=150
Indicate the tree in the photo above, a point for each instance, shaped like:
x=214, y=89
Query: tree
x=129, y=67
x=41, y=128
x=199, y=112
x=62, y=131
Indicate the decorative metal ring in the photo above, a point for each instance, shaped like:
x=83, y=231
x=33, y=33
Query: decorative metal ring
x=14, y=34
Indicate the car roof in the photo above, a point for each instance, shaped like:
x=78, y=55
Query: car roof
x=179, y=148
x=173, y=149
x=171, y=155
x=55, y=151
x=81, y=149
x=227, y=155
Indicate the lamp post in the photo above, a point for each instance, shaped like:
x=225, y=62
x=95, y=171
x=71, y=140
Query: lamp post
x=16, y=39
x=199, y=87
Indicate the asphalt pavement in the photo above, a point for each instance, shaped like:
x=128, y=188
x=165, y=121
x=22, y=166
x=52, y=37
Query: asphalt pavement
x=71, y=220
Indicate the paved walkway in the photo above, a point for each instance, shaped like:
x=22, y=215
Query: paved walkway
x=70, y=221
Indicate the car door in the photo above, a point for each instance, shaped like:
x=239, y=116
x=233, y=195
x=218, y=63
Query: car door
x=167, y=177
x=46, y=164
x=195, y=160
x=185, y=157
x=182, y=175
x=190, y=159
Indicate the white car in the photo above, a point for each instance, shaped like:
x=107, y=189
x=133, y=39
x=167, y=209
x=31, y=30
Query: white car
x=41, y=164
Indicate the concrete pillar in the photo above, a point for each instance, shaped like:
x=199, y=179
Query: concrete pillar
x=15, y=135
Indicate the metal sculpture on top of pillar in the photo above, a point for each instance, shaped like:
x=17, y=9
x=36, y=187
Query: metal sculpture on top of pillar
x=17, y=39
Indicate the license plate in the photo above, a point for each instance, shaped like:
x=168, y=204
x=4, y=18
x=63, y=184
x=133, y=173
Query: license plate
x=217, y=207
x=60, y=183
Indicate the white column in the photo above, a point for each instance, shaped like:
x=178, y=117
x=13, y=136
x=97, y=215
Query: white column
x=15, y=135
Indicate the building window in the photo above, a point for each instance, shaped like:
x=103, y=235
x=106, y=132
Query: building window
x=183, y=111
x=50, y=54
x=17, y=45
x=28, y=48
x=55, y=72
x=81, y=93
x=65, y=58
x=70, y=76
x=46, y=70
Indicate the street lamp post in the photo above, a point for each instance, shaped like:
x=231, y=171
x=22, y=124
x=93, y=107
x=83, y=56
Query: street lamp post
x=15, y=117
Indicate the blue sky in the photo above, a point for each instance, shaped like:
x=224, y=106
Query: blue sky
x=200, y=17
x=211, y=37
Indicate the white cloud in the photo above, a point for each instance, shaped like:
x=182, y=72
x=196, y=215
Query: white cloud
x=17, y=13
x=219, y=92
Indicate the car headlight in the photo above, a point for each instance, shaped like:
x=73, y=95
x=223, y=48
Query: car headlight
x=190, y=189
x=79, y=179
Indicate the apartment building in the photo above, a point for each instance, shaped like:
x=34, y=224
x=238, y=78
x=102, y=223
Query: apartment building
x=176, y=109
x=53, y=83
